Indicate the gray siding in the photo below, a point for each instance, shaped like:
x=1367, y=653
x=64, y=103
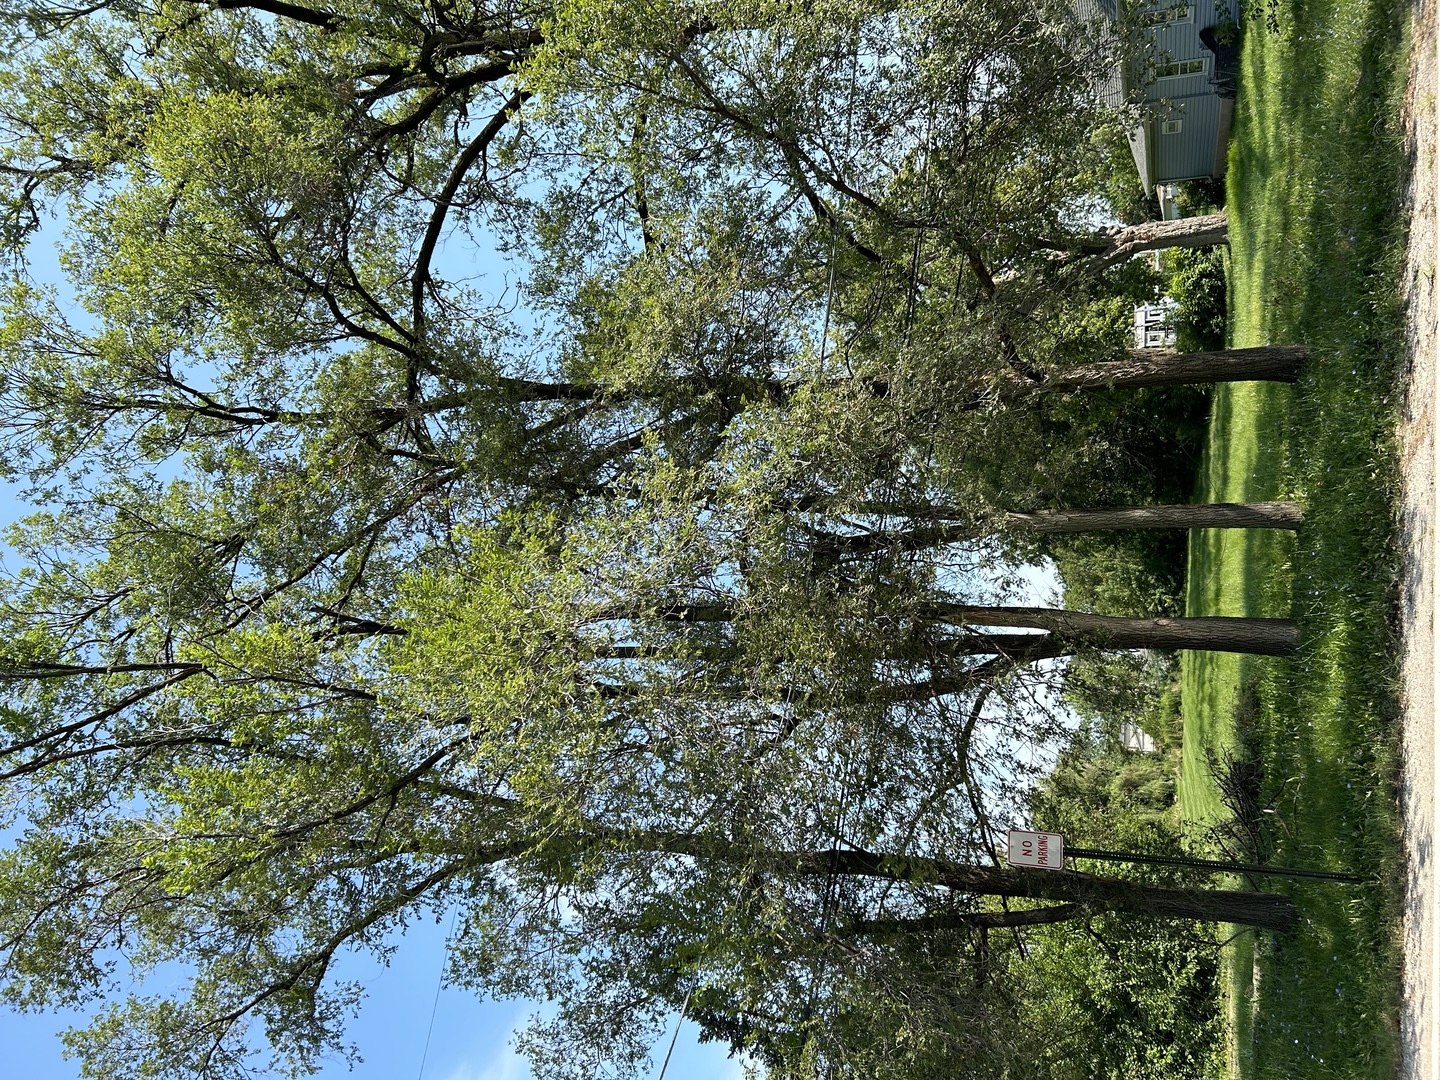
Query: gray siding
x=1190, y=153
x=1199, y=101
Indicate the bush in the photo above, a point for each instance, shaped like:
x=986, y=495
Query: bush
x=1197, y=285
x=1139, y=574
x=1127, y=998
x=1141, y=449
x=1110, y=690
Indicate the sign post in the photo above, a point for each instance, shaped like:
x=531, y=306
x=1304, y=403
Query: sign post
x=1043, y=849
x=1046, y=850
x=1213, y=864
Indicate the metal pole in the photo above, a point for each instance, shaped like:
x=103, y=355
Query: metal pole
x=1208, y=864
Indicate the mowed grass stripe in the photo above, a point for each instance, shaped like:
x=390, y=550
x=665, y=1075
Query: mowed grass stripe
x=1315, y=169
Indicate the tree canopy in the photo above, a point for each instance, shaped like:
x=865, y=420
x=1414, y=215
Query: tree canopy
x=549, y=462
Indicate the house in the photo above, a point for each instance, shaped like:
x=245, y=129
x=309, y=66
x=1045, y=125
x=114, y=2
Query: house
x=1154, y=326
x=1184, y=57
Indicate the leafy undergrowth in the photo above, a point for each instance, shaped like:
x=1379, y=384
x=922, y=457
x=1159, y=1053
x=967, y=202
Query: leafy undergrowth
x=1315, y=169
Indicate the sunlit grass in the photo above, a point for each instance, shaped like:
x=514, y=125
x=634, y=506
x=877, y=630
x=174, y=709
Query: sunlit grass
x=1313, y=200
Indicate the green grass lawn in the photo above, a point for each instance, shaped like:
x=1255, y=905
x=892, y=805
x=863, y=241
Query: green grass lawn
x=1315, y=170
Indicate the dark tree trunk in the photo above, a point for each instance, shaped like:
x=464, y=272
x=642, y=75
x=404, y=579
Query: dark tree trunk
x=959, y=920
x=1020, y=647
x=1088, y=892
x=1257, y=515
x=1143, y=368
x=1156, y=367
x=1262, y=637
x=1262, y=910
x=1069, y=630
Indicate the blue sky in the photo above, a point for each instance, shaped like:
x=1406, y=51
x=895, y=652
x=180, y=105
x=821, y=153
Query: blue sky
x=471, y=1039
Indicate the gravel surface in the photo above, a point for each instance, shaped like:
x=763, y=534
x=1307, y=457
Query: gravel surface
x=1420, y=1013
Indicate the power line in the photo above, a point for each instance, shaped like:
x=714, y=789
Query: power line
x=439, y=982
x=678, y=1021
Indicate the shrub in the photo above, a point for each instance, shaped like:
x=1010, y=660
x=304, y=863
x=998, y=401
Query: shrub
x=1197, y=285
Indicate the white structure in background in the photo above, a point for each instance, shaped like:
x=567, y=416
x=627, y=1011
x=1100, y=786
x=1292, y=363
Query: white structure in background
x=1168, y=194
x=1134, y=737
x=1155, y=324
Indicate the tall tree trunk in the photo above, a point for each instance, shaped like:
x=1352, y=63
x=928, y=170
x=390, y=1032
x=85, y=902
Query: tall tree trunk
x=1114, y=246
x=1087, y=891
x=1263, y=910
x=1156, y=367
x=1262, y=637
x=1143, y=368
x=957, y=920
x=1256, y=515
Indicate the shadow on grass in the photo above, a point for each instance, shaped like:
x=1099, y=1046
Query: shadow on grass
x=1315, y=173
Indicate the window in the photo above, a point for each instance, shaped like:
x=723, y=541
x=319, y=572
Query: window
x=1170, y=127
x=1178, y=69
x=1154, y=339
x=1166, y=16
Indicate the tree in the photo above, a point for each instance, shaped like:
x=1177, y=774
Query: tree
x=1264, y=363
x=1263, y=515
x=356, y=594
x=1110, y=247
x=1265, y=637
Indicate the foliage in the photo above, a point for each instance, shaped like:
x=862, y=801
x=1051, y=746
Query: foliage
x=1135, y=688
x=1128, y=1006
x=1203, y=196
x=1139, y=448
x=629, y=614
x=1141, y=574
x=1100, y=794
x=1197, y=285
x=1119, y=187
x=1121, y=1003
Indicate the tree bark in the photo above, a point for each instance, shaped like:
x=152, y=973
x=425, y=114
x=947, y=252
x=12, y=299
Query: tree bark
x=1114, y=246
x=1073, y=629
x=1088, y=893
x=1257, y=515
x=956, y=920
x=1260, y=637
x=1262, y=910
x=1156, y=367
x=1144, y=368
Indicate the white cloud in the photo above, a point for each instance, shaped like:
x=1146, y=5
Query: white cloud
x=504, y=1064
x=500, y=1063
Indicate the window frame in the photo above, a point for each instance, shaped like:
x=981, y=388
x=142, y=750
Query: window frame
x=1203, y=69
x=1157, y=18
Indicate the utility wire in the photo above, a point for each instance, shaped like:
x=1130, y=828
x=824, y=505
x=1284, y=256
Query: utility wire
x=434, y=1005
x=676, y=1034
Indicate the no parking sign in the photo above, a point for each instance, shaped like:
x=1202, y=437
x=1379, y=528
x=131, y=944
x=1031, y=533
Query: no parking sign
x=1043, y=849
